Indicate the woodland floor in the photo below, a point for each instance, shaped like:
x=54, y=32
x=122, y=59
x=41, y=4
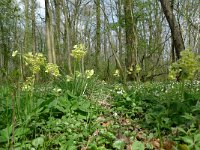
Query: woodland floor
x=102, y=116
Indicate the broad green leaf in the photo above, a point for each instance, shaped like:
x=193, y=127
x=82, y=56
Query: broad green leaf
x=38, y=141
x=182, y=130
x=5, y=134
x=119, y=144
x=197, y=138
x=21, y=131
x=137, y=145
x=187, y=139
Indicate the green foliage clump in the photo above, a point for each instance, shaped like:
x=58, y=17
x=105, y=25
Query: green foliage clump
x=186, y=67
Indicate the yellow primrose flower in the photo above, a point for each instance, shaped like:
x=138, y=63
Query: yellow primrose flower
x=35, y=61
x=28, y=84
x=79, y=51
x=77, y=74
x=52, y=69
x=69, y=78
x=89, y=73
x=26, y=87
x=138, y=68
x=57, y=90
x=116, y=73
x=14, y=53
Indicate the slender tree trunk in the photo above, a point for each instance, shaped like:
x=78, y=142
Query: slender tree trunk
x=57, y=33
x=130, y=37
x=27, y=28
x=66, y=38
x=98, y=34
x=33, y=26
x=49, y=34
x=174, y=26
x=120, y=29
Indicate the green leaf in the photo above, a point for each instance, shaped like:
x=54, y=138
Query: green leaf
x=5, y=134
x=38, y=142
x=137, y=145
x=84, y=106
x=181, y=130
x=187, y=139
x=92, y=147
x=21, y=131
x=197, y=138
x=119, y=144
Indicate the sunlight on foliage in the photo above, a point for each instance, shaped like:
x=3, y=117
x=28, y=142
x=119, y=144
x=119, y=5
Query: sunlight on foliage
x=186, y=67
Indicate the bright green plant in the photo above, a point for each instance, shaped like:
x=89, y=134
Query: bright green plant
x=186, y=67
x=191, y=137
x=78, y=82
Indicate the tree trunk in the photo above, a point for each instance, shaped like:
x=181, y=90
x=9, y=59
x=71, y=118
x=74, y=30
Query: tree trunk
x=57, y=33
x=66, y=38
x=33, y=26
x=130, y=38
x=174, y=26
x=49, y=34
x=98, y=34
x=27, y=28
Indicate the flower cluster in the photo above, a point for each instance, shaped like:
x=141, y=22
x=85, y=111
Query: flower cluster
x=34, y=61
x=89, y=73
x=186, y=67
x=116, y=73
x=137, y=68
x=78, y=52
x=52, y=69
x=28, y=84
x=14, y=53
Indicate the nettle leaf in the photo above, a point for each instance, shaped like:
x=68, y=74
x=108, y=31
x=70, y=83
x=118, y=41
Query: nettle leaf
x=137, y=145
x=38, y=141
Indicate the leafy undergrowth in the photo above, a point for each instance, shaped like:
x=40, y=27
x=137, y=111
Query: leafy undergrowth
x=99, y=116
